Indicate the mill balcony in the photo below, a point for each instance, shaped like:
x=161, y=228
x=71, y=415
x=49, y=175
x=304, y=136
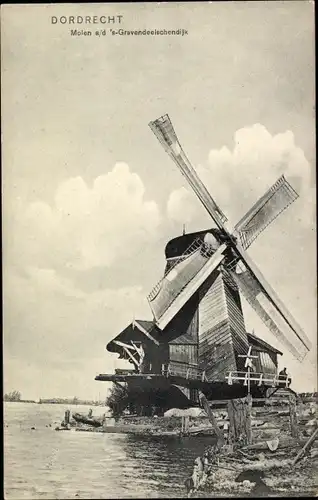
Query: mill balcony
x=173, y=369
x=184, y=370
x=269, y=379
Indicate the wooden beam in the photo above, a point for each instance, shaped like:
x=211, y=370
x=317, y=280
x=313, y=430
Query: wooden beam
x=239, y=412
x=284, y=442
x=249, y=419
x=137, y=350
x=293, y=417
x=212, y=418
x=105, y=377
x=122, y=344
x=144, y=331
x=306, y=447
x=132, y=357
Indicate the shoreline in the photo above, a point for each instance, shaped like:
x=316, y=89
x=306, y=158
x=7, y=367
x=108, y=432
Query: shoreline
x=52, y=402
x=266, y=467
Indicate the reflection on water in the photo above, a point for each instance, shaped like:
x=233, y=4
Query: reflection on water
x=42, y=463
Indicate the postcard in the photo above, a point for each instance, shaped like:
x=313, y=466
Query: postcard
x=159, y=250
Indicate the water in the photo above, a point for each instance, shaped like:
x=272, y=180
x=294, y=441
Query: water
x=43, y=463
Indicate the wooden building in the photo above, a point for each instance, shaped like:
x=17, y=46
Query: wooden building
x=199, y=347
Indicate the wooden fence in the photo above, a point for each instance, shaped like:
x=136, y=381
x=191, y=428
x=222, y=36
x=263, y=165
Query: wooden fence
x=244, y=420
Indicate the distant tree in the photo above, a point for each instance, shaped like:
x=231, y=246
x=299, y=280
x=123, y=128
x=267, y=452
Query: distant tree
x=13, y=396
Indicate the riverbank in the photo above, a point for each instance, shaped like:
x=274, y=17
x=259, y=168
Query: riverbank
x=267, y=422
x=19, y=401
x=72, y=402
x=163, y=462
x=266, y=465
x=263, y=474
x=247, y=472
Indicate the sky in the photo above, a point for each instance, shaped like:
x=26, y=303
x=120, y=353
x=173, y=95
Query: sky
x=90, y=198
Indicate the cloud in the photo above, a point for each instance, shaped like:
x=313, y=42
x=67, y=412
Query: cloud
x=237, y=178
x=181, y=206
x=52, y=322
x=285, y=252
x=55, y=323
x=59, y=330
x=46, y=309
x=63, y=380
x=87, y=226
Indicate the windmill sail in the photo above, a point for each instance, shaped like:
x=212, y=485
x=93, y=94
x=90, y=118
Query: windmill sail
x=269, y=307
x=164, y=131
x=265, y=210
x=181, y=282
x=250, y=281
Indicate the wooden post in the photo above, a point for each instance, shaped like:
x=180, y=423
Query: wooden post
x=232, y=428
x=186, y=424
x=248, y=380
x=248, y=357
x=293, y=416
x=239, y=411
x=212, y=419
x=67, y=417
x=104, y=421
x=306, y=447
x=249, y=419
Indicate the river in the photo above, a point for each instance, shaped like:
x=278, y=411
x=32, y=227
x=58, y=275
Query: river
x=43, y=463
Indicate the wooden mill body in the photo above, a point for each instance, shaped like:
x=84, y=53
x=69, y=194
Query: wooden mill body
x=198, y=347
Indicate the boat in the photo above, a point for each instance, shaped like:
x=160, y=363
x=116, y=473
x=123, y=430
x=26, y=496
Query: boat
x=84, y=419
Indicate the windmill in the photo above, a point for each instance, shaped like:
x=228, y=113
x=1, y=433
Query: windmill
x=220, y=248
x=197, y=340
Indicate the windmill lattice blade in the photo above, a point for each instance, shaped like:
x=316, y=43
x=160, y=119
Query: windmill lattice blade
x=265, y=210
x=270, y=309
x=181, y=282
x=164, y=131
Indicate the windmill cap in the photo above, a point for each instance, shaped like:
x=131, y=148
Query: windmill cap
x=210, y=240
x=178, y=246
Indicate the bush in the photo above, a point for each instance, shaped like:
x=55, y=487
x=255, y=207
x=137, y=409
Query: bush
x=118, y=400
x=13, y=396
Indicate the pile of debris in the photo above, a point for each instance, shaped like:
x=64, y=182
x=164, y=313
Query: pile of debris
x=245, y=472
x=267, y=450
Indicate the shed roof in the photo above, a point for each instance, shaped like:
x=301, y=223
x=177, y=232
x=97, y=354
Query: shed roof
x=184, y=339
x=132, y=332
x=253, y=339
x=146, y=324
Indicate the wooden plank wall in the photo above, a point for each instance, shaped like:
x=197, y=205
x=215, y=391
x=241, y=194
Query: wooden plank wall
x=236, y=319
x=183, y=353
x=186, y=321
x=216, y=353
x=193, y=326
x=156, y=355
